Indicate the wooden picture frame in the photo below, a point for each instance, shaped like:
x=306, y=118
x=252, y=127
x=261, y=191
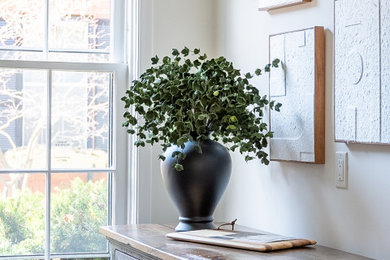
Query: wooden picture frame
x=267, y=5
x=299, y=84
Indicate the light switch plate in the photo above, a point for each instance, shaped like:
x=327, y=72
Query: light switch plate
x=341, y=170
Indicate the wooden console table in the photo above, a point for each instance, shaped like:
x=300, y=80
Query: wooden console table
x=148, y=241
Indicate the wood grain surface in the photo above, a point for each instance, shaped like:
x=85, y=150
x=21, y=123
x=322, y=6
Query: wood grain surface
x=319, y=98
x=151, y=239
x=267, y=5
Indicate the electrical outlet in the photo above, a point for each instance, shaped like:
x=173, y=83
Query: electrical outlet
x=341, y=170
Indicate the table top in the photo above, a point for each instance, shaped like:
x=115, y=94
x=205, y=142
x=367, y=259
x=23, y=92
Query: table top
x=150, y=239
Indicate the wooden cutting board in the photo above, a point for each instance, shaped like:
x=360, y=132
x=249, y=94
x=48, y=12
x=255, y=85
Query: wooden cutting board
x=239, y=239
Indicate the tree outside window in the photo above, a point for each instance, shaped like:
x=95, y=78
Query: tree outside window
x=64, y=132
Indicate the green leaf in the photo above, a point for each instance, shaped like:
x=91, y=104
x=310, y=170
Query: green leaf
x=203, y=116
x=154, y=60
x=185, y=51
x=258, y=72
x=179, y=167
x=139, y=143
x=197, y=63
x=196, y=51
x=131, y=119
x=215, y=108
x=175, y=52
x=271, y=104
x=277, y=107
x=216, y=93
x=231, y=127
x=265, y=161
x=248, y=158
x=176, y=153
x=275, y=63
x=203, y=57
x=248, y=75
x=166, y=60
x=233, y=119
x=234, y=147
x=130, y=131
x=182, y=140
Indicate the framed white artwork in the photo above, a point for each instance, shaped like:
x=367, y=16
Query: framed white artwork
x=299, y=84
x=362, y=71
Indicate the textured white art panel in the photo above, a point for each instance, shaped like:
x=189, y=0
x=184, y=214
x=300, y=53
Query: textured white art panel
x=357, y=71
x=385, y=67
x=293, y=85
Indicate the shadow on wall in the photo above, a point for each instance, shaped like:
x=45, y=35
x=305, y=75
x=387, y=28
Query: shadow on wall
x=299, y=195
x=370, y=197
x=342, y=211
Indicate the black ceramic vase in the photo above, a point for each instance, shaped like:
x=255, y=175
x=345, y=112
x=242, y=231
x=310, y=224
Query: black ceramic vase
x=197, y=189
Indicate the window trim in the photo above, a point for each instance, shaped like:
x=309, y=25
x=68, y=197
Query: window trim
x=116, y=172
x=124, y=66
x=59, y=65
x=132, y=55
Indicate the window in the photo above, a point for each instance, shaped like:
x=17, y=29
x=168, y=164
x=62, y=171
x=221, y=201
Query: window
x=70, y=30
x=59, y=128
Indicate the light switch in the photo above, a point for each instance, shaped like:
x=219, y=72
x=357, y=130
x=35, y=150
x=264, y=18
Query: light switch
x=341, y=170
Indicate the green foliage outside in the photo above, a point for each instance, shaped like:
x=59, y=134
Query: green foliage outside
x=22, y=227
x=187, y=97
x=77, y=213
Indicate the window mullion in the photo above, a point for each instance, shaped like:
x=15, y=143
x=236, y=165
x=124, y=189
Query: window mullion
x=46, y=30
x=118, y=31
x=48, y=159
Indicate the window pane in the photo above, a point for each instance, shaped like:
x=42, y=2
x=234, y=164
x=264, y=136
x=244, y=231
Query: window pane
x=22, y=214
x=23, y=119
x=21, y=23
x=21, y=55
x=78, y=57
x=79, y=25
x=80, y=119
x=79, y=206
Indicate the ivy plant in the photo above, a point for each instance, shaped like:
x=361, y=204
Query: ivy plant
x=188, y=97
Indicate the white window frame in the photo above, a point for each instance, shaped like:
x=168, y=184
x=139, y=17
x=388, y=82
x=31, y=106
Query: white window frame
x=123, y=65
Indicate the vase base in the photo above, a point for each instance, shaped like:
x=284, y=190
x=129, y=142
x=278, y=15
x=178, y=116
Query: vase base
x=188, y=224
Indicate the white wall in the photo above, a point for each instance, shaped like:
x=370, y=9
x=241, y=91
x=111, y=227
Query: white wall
x=165, y=25
x=301, y=199
x=286, y=198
